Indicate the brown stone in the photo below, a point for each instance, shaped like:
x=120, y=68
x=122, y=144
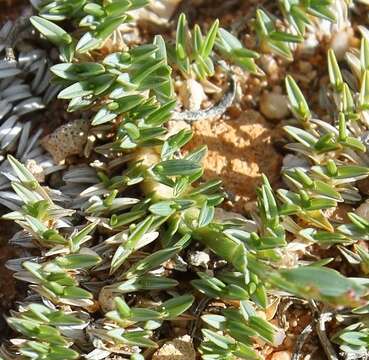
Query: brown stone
x=239, y=151
x=67, y=140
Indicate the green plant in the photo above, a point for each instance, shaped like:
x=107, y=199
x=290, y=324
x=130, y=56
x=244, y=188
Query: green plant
x=108, y=273
x=192, y=52
x=97, y=20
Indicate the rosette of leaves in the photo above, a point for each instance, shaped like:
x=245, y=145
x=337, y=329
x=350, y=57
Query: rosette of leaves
x=172, y=212
x=336, y=152
x=130, y=84
x=131, y=328
x=193, y=53
x=24, y=90
x=45, y=332
x=279, y=36
x=230, y=334
x=337, y=156
x=137, y=236
x=55, y=277
x=61, y=272
x=92, y=23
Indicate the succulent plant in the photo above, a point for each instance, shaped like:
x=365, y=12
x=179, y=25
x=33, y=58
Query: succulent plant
x=24, y=90
x=104, y=276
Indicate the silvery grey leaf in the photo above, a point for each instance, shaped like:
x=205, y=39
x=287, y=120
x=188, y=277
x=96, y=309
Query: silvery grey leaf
x=95, y=190
x=77, y=302
x=10, y=195
x=351, y=80
x=35, y=3
x=35, y=153
x=7, y=172
x=35, y=66
x=11, y=81
x=10, y=205
x=11, y=136
x=16, y=93
x=23, y=140
x=59, y=212
x=7, y=126
x=62, y=224
x=16, y=264
x=50, y=167
x=8, y=64
x=26, y=276
x=27, y=58
x=6, y=72
x=51, y=92
x=4, y=182
x=73, y=190
x=39, y=74
x=5, y=107
x=43, y=84
x=97, y=354
x=81, y=174
x=31, y=142
x=58, y=196
x=117, y=205
x=22, y=239
x=29, y=105
x=4, y=32
x=325, y=126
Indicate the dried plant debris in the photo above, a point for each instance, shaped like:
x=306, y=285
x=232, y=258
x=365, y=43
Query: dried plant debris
x=125, y=251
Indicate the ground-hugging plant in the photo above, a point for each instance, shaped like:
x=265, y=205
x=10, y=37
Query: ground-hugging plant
x=279, y=36
x=25, y=90
x=333, y=159
x=105, y=280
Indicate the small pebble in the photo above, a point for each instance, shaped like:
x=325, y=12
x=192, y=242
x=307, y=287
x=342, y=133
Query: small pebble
x=199, y=259
x=340, y=42
x=192, y=94
x=177, y=349
x=309, y=46
x=269, y=65
x=274, y=106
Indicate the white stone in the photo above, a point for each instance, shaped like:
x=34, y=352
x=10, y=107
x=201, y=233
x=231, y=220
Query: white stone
x=274, y=106
x=191, y=94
